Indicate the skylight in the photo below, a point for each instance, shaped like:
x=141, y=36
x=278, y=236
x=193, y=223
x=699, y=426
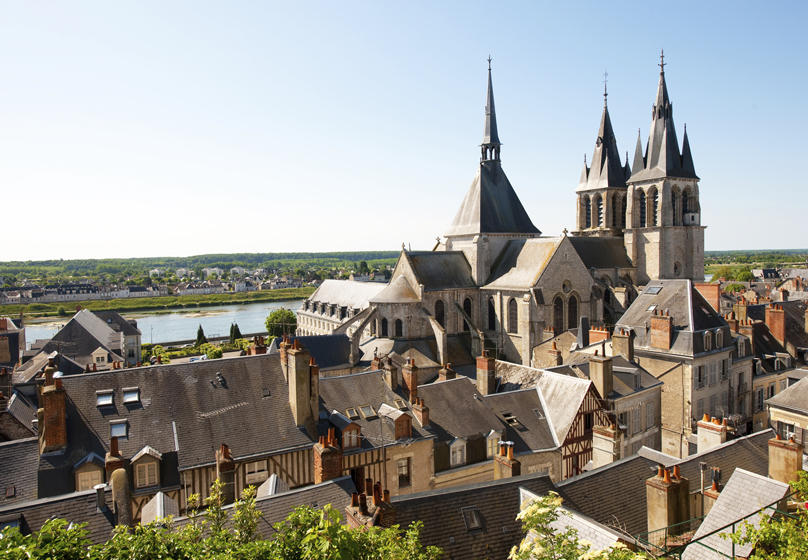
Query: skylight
x=119, y=429
x=351, y=413
x=400, y=404
x=131, y=395
x=367, y=411
x=472, y=518
x=652, y=307
x=103, y=398
x=653, y=290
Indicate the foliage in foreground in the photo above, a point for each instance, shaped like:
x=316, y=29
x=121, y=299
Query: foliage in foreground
x=210, y=535
x=280, y=322
x=546, y=542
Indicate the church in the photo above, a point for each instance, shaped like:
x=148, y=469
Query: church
x=494, y=282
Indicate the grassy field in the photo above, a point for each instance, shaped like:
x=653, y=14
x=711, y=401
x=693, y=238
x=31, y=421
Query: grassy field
x=157, y=304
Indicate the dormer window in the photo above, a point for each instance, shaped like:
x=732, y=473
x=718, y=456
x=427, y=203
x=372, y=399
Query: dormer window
x=472, y=518
x=492, y=444
x=146, y=475
x=719, y=339
x=104, y=398
x=403, y=427
x=352, y=413
x=131, y=395
x=367, y=411
x=458, y=453
x=707, y=342
x=146, y=466
x=350, y=438
x=741, y=348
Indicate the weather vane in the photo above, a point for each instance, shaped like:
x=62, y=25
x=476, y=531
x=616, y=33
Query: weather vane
x=489, y=62
x=662, y=61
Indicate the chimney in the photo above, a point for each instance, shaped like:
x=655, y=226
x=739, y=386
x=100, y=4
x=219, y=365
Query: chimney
x=711, y=293
x=410, y=378
x=327, y=458
x=421, y=412
x=710, y=495
x=301, y=387
x=258, y=346
x=53, y=427
x=732, y=321
x=100, y=497
x=747, y=328
x=623, y=343
x=113, y=460
x=556, y=359
x=446, y=373
x=661, y=330
x=3, y=324
x=668, y=502
x=505, y=466
x=547, y=334
x=785, y=459
x=783, y=295
x=605, y=445
x=486, y=374
x=390, y=374
x=583, y=339
x=776, y=321
x=601, y=374
x=121, y=505
x=711, y=433
x=376, y=363
x=598, y=334
x=740, y=308
x=226, y=473
x=372, y=508
x=283, y=351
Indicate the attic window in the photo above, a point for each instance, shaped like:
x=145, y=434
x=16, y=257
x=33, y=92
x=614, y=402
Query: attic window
x=510, y=419
x=323, y=414
x=266, y=393
x=652, y=307
x=119, y=429
x=11, y=491
x=472, y=518
x=103, y=398
x=367, y=411
x=538, y=413
x=352, y=413
x=653, y=290
x=131, y=395
x=400, y=404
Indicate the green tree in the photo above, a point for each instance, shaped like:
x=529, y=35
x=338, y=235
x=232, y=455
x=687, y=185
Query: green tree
x=236, y=332
x=281, y=321
x=363, y=267
x=61, y=312
x=724, y=272
x=745, y=276
x=200, y=337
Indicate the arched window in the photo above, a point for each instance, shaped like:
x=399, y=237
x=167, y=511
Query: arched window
x=513, y=316
x=623, y=212
x=572, y=312
x=600, y=211
x=558, y=315
x=467, y=309
x=615, y=211
x=492, y=315
x=655, y=207
x=439, y=314
x=685, y=202
x=399, y=328
x=674, y=206
x=588, y=219
x=643, y=209
x=384, y=327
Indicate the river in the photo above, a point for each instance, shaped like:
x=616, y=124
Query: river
x=182, y=325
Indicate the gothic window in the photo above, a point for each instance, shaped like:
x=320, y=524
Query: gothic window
x=492, y=315
x=655, y=207
x=600, y=211
x=623, y=213
x=685, y=202
x=588, y=213
x=615, y=211
x=467, y=309
x=643, y=209
x=572, y=312
x=674, y=205
x=384, y=327
x=439, y=313
x=513, y=316
x=558, y=315
x=399, y=328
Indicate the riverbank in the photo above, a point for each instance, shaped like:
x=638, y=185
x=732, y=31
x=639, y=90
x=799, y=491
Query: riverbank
x=156, y=305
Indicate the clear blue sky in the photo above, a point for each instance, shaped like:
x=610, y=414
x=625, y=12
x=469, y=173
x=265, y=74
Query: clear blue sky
x=177, y=128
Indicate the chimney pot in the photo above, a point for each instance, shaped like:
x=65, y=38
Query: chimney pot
x=368, y=486
x=667, y=476
x=355, y=499
x=363, y=504
x=510, y=451
x=676, y=472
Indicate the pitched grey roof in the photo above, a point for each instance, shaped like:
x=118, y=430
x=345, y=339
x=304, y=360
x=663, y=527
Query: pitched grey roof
x=18, y=476
x=522, y=262
x=329, y=351
x=491, y=206
x=794, y=398
x=490, y=135
x=528, y=428
x=744, y=494
x=345, y=293
x=498, y=504
x=397, y=291
x=606, y=170
x=795, y=320
x=118, y=323
x=81, y=336
x=624, y=372
x=22, y=409
x=601, y=252
x=457, y=409
x=441, y=270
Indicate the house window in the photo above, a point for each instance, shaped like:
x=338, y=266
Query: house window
x=725, y=403
x=783, y=384
x=700, y=409
x=350, y=439
x=492, y=315
x=513, y=316
x=403, y=428
x=589, y=421
x=367, y=411
x=99, y=359
x=707, y=341
x=104, y=398
x=724, y=370
x=770, y=391
x=741, y=348
x=636, y=421
x=88, y=479
x=119, y=429
x=649, y=416
x=458, y=455
x=256, y=472
x=649, y=442
x=131, y=395
x=146, y=474
x=713, y=373
x=700, y=376
x=713, y=404
x=719, y=339
x=492, y=446
x=759, y=400
x=404, y=473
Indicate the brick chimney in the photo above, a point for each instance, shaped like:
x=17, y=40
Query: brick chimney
x=668, y=501
x=601, y=374
x=410, y=378
x=327, y=458
x=711, y=293
x=785, y=459
x=283, y=352
x=556, y=359
x=226, y=473
x=258, y=346
x=302, y=387
x=598, y=334
x=486, y=374
x=371, y=508
x=731, y=321
x=740, y=308
x=776, y=321
x=421, y=412
x=605, y=445
x=623, y=343
x=113, y=459
x=661, y=330
x=505, y=466
x=710, y=495
x=376, y=363
x=53, y=421
x=390, y=374
x=446, y=373
x=746, y=327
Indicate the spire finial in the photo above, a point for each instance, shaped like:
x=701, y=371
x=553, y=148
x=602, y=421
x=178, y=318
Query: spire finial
x=605, y=82
x=489, y=62
x=662, y=62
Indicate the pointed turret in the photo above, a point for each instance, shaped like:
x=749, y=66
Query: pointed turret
x=687, y=157
x=606, y=170
x=639, y=159
x=584, y=173
x=491, y=144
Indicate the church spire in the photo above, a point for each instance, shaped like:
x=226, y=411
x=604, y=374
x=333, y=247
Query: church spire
x=607, y=170
x=491, y=143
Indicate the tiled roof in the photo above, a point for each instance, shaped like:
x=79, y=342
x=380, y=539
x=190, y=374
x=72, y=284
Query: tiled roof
x=528, y=427
x=522, y=262
x=441, y=270
x=498, y=504
x=601, y=252
x=345, y=293
x=794, y=398
x=457, y=409
x=22, y=409
x=329, y=351
x=18, y=475
x=117, y=323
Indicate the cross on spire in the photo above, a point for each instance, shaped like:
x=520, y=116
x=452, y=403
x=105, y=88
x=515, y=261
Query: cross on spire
x=605, y=81
x=489, y=62
x=662, y=62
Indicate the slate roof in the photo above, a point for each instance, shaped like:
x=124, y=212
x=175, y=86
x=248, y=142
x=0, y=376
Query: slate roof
x=441, y=270
x=22, y=409
x=398, y=290
x=329, y=351
x=491, y=206
x=744, y=494
x=528, y=428
x=522, y=262
x=77, y=507
x=118, y=323
x=794, y=398
x=606, y=170
x=345, y=293
x=623, y=378
x=795, y=320
x=490, y=135
x=18, y=476
x=186, y=397
x=498, y=502
x=690, y=311
x=457, y=409
x=601, y=252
